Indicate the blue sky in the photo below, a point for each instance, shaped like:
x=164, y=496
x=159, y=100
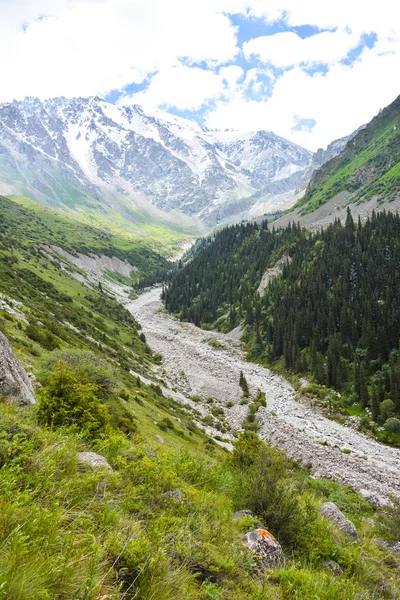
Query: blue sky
x=308, y=71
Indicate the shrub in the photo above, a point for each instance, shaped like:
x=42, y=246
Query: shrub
x=168, y=423
x=87, y=367
x=266, y=488
x=392, y=425
x=389, y=520
x=261, y=399
x=387, y=409
x=66, y=401
x=42, y=337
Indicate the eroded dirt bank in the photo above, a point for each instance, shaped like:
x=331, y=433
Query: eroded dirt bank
x=195, y=367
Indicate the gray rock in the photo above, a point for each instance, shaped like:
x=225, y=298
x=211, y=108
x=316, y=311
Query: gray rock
x=93, y=461
x=175, y=495
x=267, y=550
x=35, y=384
x=372, y=498
x=243, y=513
x=333, y=567
x=159, y=439
x=14, y=381
x=393, y=547
x=330, y=511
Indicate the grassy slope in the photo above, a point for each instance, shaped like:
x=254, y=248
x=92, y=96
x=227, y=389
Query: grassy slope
x=161, y=525
x=75, y=317
x=368, y=166
x=137, y=230
x=34, y=224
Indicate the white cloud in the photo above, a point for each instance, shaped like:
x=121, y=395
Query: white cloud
x=84, y=48
x=88, y=47
x=356, y=15
x=182, y=87
x=231, y=75
x=287, y=48
x=346, y=97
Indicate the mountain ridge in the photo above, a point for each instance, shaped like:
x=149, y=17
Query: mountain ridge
x=88, y=151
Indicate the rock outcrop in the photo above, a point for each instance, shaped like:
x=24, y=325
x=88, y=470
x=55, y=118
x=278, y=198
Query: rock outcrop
x=330, y=511
x=266, y=549
x=15, y=384
x=93, y=461
x=243, y=513
x=392, y=547
x=333, y=567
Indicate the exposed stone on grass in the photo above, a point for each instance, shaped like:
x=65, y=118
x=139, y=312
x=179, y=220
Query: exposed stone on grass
x=267, y=551
x=93, y=461
x=330, y=511
x=333, y=567
x=15, y=384
x=243, y=513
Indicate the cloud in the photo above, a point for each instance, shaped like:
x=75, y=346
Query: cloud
x=339, y=101
x=231, y=75
x=185, y=55
x=287, y=48
x=362, y=17
x=72, y=47
x=180, y=87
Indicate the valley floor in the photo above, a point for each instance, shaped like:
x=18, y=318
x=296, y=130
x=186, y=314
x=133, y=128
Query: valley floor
x=208, y=364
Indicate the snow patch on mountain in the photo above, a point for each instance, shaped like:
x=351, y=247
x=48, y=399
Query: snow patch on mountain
x=86, y=151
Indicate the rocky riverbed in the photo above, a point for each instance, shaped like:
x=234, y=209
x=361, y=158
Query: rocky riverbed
x=208, y=364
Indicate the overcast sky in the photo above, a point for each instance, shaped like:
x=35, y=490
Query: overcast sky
x=309, y=70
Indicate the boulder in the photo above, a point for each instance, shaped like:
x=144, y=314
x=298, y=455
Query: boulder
x=333, y=567
x=14, y=381
x=93, y=461
x=266, y=549
x=175, y=495
x=330, y=511
x=392, y=547
x=372, y=498
x=159, y=439
x=243, y=513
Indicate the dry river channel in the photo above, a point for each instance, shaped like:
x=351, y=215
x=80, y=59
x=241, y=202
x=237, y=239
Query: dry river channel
x=195, y=367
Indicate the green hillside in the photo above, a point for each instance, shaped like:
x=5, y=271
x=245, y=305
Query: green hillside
x=160, y=524
x=368, y=166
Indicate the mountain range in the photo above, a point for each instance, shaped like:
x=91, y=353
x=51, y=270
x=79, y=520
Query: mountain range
x=87, y=154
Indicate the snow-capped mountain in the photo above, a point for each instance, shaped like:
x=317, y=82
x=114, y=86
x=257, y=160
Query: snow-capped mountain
x=87, y=152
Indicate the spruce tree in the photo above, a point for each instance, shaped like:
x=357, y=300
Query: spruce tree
x=375, y=404
x=364, y=395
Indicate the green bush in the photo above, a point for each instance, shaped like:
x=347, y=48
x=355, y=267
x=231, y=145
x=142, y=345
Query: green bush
x=387, y=409
x=87, y=367
x=389, y=520
x=66, y=402
x=392, y=425
x=266, y=488
x=42, y=337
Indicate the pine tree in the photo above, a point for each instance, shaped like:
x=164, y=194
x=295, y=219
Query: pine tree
x=243, y=384
x=364, y=394
x=375, y=404
x=357, y=389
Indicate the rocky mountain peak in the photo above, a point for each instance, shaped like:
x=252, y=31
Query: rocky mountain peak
x=81, y=151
